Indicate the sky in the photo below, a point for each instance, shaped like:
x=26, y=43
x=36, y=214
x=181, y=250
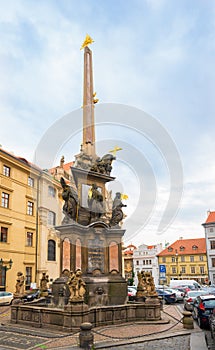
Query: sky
x=153, y=66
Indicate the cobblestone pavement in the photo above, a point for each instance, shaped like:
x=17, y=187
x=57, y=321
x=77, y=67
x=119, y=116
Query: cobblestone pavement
x=166, y=334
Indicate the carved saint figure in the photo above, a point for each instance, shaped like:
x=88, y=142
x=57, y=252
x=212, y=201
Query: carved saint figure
x=76, y=286
x=20, y=283
x=95, y=202
x=44, y=282
x=117, y=213
x=70, y=197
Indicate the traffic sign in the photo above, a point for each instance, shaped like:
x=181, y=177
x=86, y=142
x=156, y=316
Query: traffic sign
x=162, y=268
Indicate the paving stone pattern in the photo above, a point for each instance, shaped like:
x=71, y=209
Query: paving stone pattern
x=16, y=341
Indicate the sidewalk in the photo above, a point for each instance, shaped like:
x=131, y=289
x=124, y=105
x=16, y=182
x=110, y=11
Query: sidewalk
x=167, y=333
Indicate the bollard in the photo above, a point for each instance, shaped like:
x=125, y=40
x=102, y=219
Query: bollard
x=86, y=336
x=187, y=320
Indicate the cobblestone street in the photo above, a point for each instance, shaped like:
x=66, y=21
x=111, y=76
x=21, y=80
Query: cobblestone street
x=165, y=334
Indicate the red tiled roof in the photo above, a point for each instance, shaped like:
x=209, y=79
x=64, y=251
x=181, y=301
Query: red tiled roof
x=211, y=217
x=67, y=166
x=187, y=244
x=150, y=246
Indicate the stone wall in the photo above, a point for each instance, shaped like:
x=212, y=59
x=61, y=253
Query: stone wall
x=71, y=317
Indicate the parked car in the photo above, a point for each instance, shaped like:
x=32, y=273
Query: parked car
x=190, y=298
x=6, y=298
x=31, y=295
x=167, y=297
x=179, y=294
x=131, y=293
x=202, y=308
x=179, y=283
x=212, y=323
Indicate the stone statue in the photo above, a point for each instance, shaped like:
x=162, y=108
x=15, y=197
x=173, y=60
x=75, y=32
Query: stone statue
x=76, y=286
x=103, y=165
x=20, y=284
x=146, y=286
x=117, y=213
x=44, y=282
x=70, y=197
x=95, y=203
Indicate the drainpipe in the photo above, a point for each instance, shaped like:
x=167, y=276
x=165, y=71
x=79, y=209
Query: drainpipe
x=37, y=225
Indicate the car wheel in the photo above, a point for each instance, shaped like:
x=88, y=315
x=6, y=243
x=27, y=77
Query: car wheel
x=200, y=324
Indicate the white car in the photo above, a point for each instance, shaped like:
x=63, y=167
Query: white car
x=6, y=298
x=179, y=295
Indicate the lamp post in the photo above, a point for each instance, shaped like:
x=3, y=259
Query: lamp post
x=4, y=267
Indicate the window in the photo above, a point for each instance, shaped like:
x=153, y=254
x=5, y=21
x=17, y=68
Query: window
x=4, y=233
x=30, y=182
x=170, y=249
x=202, y=270
x=173, y=269
x=28, y=275
x=137, y=262
x=29, y=239
x=5, y=200
x=163, y=259
x=144, y=262
x=191, y=258
x=194, y=247
x=212, y=244
x=150, y=262
x=201, y=258
x=182, y=258
x=211, y=229
x=182, y=248
x=30, y=208
x=51, y=218
x=51, y=191
x=6, y=170
x=192, y=269
x=213, y=262
x=147, y=262
x=51, y=250
x=173, y=259
x=183, y=269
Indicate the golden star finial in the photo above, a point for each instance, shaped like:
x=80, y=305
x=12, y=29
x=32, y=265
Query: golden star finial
x=116, y=149
x=88, y=40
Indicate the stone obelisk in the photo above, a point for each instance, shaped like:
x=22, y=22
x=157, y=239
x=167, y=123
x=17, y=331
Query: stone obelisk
x=88, y=145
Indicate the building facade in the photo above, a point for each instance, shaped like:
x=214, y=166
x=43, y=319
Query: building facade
x=127, y=263
x=31, y=206
x=209, y=227
x=184, y=259
x=145, y=258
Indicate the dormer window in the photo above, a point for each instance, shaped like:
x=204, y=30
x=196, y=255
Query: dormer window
x=182, y=248
x=194, y=247
x=170, y=249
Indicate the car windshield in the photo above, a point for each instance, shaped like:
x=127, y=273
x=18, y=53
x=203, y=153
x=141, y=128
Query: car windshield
x=209, y=303
x=195, y=294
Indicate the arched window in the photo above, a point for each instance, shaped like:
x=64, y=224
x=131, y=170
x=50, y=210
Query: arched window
x=51, y=250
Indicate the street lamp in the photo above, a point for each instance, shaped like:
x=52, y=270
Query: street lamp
x=6, y=265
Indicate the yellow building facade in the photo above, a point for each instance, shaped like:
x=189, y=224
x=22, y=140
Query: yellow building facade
x=31, y=205
x=184, y=259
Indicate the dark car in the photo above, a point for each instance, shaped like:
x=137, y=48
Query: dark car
x=167, y=297
x=202, y=308
x=31, y=295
